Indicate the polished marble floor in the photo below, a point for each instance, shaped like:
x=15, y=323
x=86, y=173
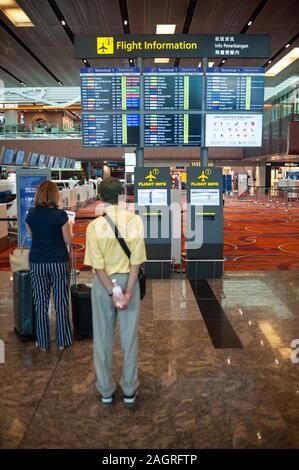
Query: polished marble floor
x=191, y=396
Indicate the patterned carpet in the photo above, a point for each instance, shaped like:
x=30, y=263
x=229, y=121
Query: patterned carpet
x=258, y=236
x=261, y=236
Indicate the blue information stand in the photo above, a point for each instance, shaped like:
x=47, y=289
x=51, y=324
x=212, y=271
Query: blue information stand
x=28, y=181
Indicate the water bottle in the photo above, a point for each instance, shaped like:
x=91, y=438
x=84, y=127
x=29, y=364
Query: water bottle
x=117, y=294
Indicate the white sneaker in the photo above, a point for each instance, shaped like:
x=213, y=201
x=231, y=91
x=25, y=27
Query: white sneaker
x=130, y=400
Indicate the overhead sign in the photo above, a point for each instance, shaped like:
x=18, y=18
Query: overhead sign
x=172, y=45
x=9, y=106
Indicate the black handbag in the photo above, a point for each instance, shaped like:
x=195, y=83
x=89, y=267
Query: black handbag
x=121, y=241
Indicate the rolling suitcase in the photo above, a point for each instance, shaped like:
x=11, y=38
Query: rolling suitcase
x=81, y=306
x=24, y=314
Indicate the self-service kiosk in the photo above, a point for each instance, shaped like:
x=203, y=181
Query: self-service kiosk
x=204, y=222
x=152, y=188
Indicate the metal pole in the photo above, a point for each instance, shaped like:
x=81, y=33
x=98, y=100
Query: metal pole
x=140, y=149
x=204, y=152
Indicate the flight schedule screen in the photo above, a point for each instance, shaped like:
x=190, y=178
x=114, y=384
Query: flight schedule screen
x=110, y=130
x=172, y=130
x=110, y=89
x=235, y=89
x=172, y=89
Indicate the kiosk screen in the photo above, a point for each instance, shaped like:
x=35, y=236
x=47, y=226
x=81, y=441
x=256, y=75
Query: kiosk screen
x=20, y=157
x=204, y=197
x=152, y=197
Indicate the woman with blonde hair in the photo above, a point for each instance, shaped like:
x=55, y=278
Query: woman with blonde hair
x=51, y=232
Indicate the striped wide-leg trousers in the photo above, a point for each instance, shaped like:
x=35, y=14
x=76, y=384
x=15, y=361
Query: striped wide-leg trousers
x=45, y=276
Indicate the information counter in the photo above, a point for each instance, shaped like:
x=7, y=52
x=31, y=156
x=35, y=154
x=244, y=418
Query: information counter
x=78, y=196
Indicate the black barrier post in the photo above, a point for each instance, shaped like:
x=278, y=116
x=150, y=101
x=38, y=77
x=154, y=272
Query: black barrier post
x=140, y=149
x=204, y=151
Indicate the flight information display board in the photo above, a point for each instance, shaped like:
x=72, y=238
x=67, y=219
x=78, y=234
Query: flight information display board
x=172, y=89
x=110, y=89
x=174, y=130
x=110, y=130
x=235, y=89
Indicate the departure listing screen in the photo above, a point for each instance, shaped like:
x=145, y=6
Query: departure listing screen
x=110, y=130
x=172, y=88
x=172, y=130
x=235, y=89
x=110, y=89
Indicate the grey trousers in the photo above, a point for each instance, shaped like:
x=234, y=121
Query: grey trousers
x=104, y=317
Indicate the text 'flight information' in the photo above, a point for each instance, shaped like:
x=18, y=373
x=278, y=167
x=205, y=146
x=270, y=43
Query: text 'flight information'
x=110, y=89
x=163, y=130
x=235, y=89
x=110, y=130
x=172, y=89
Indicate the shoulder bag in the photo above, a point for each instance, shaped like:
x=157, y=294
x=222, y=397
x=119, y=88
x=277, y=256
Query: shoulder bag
x=121, y=241
x=19, y=258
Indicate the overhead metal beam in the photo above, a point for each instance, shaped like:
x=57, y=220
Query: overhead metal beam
x=187, y=24
x=28, y=50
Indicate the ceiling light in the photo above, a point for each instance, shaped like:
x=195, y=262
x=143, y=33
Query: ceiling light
x=7, y=3
x=249, y=23
x=18, y=17
x=210, y=64
x=125, y=22
x=162, y=60
x=63, y=22
x=283, y=63
x=165, y=28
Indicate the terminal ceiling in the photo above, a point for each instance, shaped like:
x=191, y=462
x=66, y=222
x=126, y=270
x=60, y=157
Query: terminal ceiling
x=43, y=55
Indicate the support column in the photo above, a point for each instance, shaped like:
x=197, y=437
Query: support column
x=204, y=151
x=106, y=171
x=11, y=120
x=140, y=149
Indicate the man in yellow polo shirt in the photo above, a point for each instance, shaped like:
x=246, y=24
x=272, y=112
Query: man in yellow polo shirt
x=106, y=256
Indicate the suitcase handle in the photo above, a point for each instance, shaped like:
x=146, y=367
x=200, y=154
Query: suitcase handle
x=73, y=266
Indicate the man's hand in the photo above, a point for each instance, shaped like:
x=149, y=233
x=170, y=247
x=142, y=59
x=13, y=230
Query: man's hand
x=127, y=296
x=124, y=305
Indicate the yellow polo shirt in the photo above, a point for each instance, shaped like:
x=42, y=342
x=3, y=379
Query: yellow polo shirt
x=103, y=251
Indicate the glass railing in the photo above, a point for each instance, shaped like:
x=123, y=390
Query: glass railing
x=11, y=132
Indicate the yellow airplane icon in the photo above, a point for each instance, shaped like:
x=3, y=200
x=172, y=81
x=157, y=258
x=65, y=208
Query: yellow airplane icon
x=203, y=177
x=103, y=48
x=150, y=176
